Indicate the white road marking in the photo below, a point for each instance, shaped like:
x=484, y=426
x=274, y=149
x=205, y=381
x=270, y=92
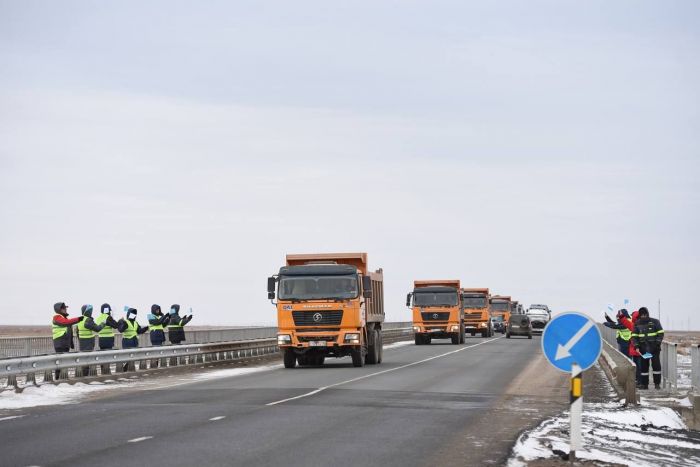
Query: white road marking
x=359, y=378
x=138, y=440
x=12, y=417
x=217, y=418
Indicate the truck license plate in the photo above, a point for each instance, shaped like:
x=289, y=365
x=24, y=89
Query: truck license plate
x=317, y=343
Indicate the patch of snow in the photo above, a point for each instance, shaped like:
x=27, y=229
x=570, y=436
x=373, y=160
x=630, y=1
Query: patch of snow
x=230, y=372
x=396, y=345
x=643, y=436
x=49, y=394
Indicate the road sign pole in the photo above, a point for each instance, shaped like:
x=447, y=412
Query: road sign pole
x=576, y=399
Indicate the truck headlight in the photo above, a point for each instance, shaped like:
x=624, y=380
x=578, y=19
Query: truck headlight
x=482, y=325
x=416, y=328
x=352, y=337
x=283, y=339
x=455, y=328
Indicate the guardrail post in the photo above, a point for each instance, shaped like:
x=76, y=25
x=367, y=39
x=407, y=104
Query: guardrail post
x=12, y=381
x=631, y=386
x=31, y=379
x=695, y=367
x=48, y=376
x=62, y=374
x=673, y=365
x=106, y=369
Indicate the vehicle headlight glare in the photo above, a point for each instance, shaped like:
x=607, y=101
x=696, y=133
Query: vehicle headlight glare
x=416, y=328
x=283, y=339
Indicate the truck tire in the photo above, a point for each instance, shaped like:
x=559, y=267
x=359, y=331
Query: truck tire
x=507, y=335
x=427, y=340
x=484, y=333
x=381, y=346
x=372, y=349
x=419, y=339
x=462, y=335
x=455, y=339
x=357, y=358
x=529, y=336
x=290, y=360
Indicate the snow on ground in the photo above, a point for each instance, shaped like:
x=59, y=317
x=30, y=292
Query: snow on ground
x=230, y=372
x=49, y=394
x=398, y=344
x=642, y=436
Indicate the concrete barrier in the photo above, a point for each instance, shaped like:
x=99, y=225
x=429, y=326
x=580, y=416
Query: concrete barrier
x=621, y=372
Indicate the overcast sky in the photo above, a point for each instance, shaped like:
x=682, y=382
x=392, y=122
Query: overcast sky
x=174, y=152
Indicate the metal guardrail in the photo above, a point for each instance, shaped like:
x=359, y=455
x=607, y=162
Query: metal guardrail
x=14, y=347
x=101, y=363
x=618, y=366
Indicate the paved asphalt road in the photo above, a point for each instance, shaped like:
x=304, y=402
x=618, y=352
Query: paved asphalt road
x=416, y=408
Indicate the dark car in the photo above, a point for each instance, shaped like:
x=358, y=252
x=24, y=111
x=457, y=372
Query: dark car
x=519, y=325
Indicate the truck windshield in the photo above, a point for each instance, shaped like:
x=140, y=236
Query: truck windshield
x=434, y=298
x=500, y=306
x=318, y=287
x=474, y=302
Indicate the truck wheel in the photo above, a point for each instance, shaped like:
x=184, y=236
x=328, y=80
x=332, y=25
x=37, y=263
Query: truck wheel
x=419, y=339
x=290, y=360
x=529, y=336
x=357, y=358
x=462, y=335
x=484, y=333
x=372, y=349
x=380, y=346
x=427, y=340
x=507, y=335
x=455, y=339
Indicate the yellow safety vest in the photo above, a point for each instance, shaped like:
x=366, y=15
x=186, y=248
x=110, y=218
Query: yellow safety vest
x=106, y=331
x=58, y=331
x=83, y=332
x=154, y=327
x=624, y=334
x=131, y=330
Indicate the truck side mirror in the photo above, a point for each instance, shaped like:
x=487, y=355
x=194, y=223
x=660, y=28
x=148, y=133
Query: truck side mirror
x=271, y=288
x=366, y=287
x=408, y=299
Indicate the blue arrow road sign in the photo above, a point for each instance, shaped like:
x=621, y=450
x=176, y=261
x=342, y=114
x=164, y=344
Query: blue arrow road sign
x=572, y=338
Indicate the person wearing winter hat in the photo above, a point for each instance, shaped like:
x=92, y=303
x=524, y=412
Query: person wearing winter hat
x=156, y=322
x=623, y=334
x=62, y=328
x=176, y=327
x=130, y=329
x=646, y=338
x=106, y=335
x=87, y=330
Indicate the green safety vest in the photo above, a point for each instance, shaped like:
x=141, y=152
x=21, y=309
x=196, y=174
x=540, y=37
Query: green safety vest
x=624, y=334
x=154, y=327
x=58, y=331
x=106, y=331
x=83, y=332
x=131, y=330
x=178, y=325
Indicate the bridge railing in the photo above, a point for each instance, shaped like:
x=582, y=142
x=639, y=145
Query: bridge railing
x=15, y=347
x=64, y=366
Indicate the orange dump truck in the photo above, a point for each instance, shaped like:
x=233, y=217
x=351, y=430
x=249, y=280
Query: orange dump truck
x=328, y=305
x=477, y=319
x=437, y=311
x=500, y=311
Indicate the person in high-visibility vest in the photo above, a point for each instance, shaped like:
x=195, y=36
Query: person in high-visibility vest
x=623, y=335
x=176, y=328
x=62, y=328
x=156, y=323
x=87, y=330
x=647, y=337
x=106, y=334
x=130, y=329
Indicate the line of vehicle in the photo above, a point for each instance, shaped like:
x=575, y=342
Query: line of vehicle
x=359, y=378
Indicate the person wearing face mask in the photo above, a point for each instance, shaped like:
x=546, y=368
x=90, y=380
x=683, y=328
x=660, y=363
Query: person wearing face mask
x=176, y=327
x=109, y=324
x=130, y=329
x=87, y=330
x=647, y=337
x=156, y=322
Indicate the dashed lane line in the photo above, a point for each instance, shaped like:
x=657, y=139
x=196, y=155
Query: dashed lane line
x=359, y=378
x=214, y=419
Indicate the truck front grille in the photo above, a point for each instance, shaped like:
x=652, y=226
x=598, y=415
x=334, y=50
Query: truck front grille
x=473, y=315
x=435, y=316
x=317, y=318
x=316, y=338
